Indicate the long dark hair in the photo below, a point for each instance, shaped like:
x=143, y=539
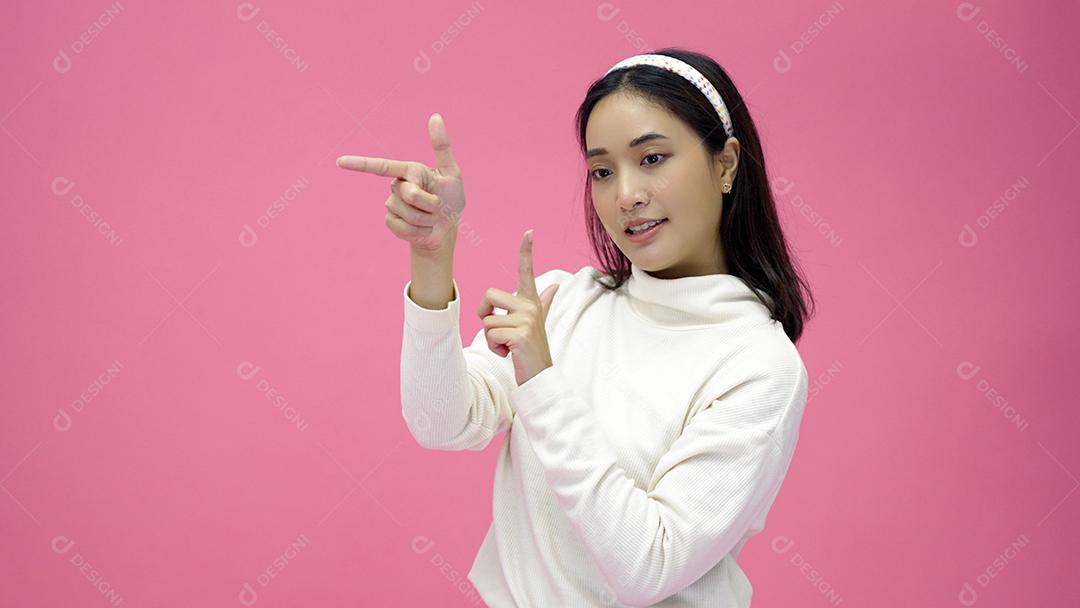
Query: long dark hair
x=750, y=231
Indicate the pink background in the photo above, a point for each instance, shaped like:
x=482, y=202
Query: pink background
x=228, y=365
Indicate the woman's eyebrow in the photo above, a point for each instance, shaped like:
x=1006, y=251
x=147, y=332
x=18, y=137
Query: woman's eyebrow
x=637, y=141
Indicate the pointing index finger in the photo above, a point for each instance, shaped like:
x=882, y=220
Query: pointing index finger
x=378, y=166
x=526, y=280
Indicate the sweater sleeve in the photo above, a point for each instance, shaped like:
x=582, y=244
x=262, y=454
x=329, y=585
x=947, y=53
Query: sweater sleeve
x=711, y=486
x=455, y=398
x=452, y=398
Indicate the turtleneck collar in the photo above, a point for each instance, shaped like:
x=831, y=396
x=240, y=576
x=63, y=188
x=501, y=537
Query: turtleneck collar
x=693, y=302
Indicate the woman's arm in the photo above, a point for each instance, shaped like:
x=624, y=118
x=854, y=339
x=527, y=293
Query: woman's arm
x=433, y=276
x=716, y=480
x=451, y=398
x=454, y=398
x=445, y=402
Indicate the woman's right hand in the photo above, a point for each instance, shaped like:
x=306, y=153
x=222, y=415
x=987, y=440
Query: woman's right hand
x=425, y=204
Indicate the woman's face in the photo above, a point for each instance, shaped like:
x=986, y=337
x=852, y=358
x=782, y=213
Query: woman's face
x=659, y=177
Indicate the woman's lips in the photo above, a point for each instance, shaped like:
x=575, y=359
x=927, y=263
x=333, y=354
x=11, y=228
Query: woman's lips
x=648, y=234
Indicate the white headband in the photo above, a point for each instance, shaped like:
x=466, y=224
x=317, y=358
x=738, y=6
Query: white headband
x=688, y=72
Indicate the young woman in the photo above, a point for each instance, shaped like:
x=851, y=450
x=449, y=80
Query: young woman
x=653, y=406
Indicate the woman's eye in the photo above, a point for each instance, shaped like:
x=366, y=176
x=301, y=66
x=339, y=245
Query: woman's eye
x=594, y=175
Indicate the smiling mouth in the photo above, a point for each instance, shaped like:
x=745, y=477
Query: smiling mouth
x=630, y=233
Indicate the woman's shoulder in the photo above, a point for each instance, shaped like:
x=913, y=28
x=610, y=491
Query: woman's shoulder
x=578, y=291
x=566, y=278
x=769, y=367
x=771, y=349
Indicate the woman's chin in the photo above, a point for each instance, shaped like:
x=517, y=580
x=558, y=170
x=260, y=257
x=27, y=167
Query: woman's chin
x=649, y=262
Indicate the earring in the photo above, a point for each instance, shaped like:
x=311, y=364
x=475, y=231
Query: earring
x=726, y=188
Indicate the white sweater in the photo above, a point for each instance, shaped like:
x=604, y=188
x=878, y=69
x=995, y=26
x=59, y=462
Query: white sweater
x=636, y=467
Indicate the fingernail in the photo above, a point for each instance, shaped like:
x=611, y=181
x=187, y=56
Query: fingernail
x=529, y=235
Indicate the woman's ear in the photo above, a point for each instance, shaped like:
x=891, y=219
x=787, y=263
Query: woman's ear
x=729, y=160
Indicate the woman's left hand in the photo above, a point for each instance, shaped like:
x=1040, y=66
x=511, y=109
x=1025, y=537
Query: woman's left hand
x=520, y=331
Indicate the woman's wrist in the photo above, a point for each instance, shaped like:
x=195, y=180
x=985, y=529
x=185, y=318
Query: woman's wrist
x=432, y=284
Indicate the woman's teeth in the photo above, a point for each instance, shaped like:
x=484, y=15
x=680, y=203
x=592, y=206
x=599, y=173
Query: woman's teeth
x=643, y=227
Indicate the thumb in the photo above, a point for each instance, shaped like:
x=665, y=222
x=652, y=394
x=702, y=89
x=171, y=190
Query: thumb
x=440, y=142
x=546, y=298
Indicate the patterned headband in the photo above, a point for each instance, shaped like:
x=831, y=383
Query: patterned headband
x=688, y=72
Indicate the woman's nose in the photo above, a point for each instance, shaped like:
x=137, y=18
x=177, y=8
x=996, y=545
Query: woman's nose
x=629, y=194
